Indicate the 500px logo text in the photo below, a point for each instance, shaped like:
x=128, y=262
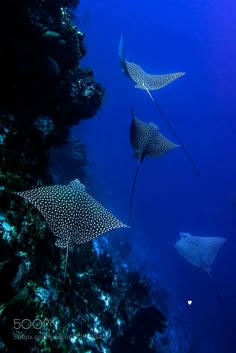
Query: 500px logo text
x=27, y=324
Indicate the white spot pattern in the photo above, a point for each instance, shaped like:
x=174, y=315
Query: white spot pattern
x=71, y=213
x=147, y=140
x=144, y=80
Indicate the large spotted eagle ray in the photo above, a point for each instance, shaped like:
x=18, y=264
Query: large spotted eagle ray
x=201, y=252
x=150, y=82
x=73, y=216
x=147, y=141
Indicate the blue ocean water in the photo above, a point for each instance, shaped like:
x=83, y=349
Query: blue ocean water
x=167, y=36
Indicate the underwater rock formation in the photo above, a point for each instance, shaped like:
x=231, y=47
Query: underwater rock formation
x=39, y=64
x=136, y=339
x=68, y=162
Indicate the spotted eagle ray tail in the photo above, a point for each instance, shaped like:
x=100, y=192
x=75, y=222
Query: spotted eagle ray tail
x=67, y=249
x=130, y=243
x=174, y=132
x=132, y=193
x=223, y=306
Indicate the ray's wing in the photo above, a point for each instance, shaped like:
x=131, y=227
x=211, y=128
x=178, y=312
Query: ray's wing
x=209, y=248
x=49, y=200
x=139, y=135
x=188, y=248
x=155, y=82
x=135, y=73
x=158, y=144
x=92, y=220
x=144, y=80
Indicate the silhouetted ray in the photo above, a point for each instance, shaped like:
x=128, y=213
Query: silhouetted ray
x=73, y=216
x=201, y=252
x=147, y=141
x=152, y=82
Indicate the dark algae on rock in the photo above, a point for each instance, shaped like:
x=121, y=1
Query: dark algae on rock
x=41, y=50
x=44, y=92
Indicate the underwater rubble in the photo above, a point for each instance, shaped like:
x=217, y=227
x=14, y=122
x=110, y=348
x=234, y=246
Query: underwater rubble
x=101, y=307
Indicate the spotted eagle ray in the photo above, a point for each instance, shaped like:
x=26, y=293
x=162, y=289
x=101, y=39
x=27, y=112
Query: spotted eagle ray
x=147, y=141
x=201, y=252
x=73, y=216
x=150, y=82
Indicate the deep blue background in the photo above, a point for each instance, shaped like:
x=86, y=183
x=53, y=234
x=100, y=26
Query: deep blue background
x=197, y=37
